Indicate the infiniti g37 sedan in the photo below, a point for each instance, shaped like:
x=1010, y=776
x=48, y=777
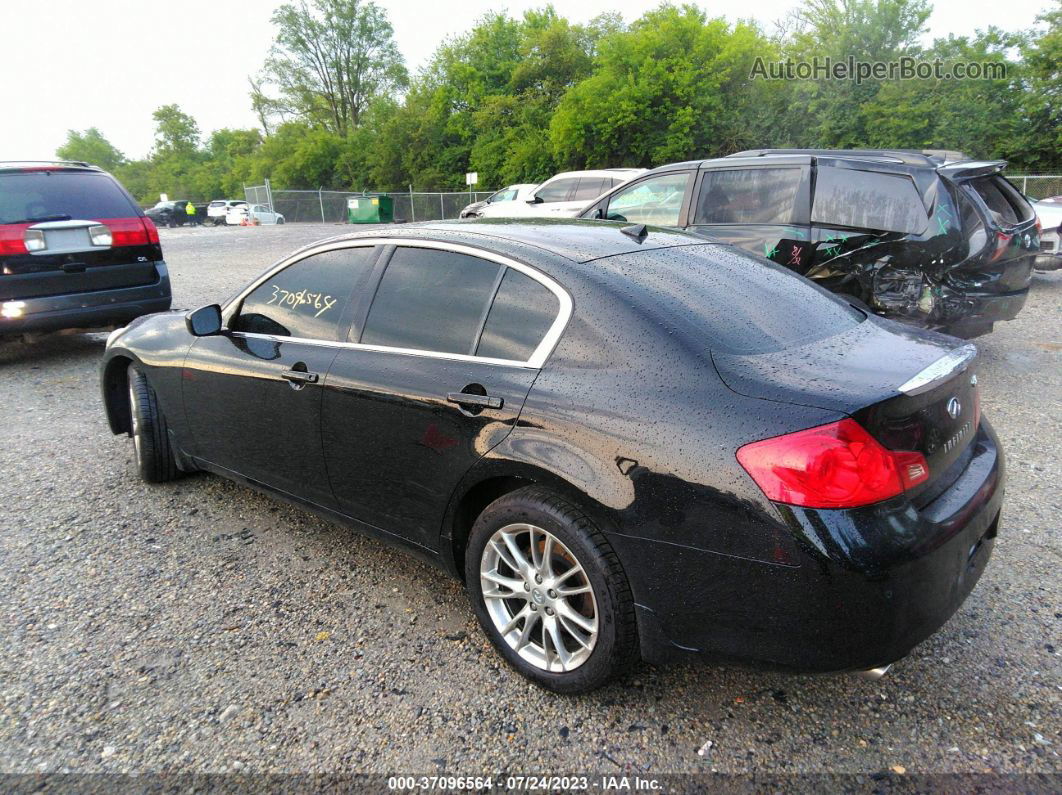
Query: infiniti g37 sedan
x=628, y=442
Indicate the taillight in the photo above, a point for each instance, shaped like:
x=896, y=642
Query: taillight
x=1002, y=241
x=150, y=228
x=126, y=231
x=12, y=239
x=838, y=465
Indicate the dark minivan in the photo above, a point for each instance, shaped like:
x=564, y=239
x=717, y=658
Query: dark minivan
x=76, y=252
x=943, y=244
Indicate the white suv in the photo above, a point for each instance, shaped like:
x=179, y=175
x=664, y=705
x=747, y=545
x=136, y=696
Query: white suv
x=219, y=208
x=254, y=213
x=564, y=195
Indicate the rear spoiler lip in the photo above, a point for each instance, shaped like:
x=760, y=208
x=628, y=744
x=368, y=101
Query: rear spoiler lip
x=972, y=168
x=943, y=369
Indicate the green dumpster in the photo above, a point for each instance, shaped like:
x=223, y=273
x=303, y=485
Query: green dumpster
x=370, y=210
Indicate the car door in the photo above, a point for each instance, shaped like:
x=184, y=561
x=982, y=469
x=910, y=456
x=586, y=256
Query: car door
x=763, y=209
x=555, y=197
x=252, y=395
x=585, y=191
x=435, y=377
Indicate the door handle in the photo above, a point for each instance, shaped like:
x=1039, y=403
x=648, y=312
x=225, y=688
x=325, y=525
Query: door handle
x=481, y=401
x=300, y=376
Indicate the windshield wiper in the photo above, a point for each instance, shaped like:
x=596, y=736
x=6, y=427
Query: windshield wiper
x=40, y=219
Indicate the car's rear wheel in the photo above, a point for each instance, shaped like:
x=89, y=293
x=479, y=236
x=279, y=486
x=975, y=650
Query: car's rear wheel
x=155, y=460
x=549, y=592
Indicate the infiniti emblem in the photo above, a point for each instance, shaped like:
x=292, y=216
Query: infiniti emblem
x=954, y=408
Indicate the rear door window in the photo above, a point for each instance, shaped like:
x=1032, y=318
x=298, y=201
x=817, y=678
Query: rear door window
x=307, y=299
x=1002, y=199
x=557, y=191
x=431, y=300
x=590, y=188
x=656, y=200
x=868, y=200
x=57, y=195
x=522, y=313
x=748, y=196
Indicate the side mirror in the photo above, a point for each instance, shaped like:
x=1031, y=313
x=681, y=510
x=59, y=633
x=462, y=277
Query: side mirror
x=204, y=321
x=535, y=200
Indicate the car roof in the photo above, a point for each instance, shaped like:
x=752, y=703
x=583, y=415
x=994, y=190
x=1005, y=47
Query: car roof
x=569, y=238
x=906, y=156
x=597, y=172
x=48, y=165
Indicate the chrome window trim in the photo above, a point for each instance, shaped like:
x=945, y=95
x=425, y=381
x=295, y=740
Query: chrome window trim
x=955, y=361
x=535, y=361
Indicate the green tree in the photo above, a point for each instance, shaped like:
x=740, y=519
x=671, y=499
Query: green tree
x=980, y=117
x=329, y=60
x=90, y=147
x=176, y=155
x=826, y=112
x=176, y=133
x=1043, y=98
x=674, y=85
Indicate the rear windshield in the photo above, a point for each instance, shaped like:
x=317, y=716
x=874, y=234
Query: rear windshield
x=58, y=196
x=1003, y=199
x=734, y=302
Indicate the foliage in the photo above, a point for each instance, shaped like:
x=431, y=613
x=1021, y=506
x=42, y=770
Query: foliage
x=329, y=60
x=518, y=99
x=90, y=147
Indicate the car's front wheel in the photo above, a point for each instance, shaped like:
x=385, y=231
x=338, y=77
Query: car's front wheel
x=549, y=591
x=155, y=460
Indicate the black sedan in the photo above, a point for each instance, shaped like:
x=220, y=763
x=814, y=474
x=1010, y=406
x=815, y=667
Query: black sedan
x=627, y=441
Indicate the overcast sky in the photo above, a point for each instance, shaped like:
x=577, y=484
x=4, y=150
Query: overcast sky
x=110, y=63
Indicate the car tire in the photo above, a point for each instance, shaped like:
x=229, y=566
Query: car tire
x=155, y=460
x=577, y=596
x=280, y=219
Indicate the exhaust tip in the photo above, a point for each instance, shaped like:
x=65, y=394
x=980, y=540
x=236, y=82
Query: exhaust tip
x=874, y=674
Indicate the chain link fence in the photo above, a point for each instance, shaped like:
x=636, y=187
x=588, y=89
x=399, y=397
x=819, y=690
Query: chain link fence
x=1038, y=186
x=330, y=206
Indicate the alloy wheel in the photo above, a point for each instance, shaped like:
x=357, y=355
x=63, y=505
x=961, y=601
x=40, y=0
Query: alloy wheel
x=134, y=415
x=539, y=597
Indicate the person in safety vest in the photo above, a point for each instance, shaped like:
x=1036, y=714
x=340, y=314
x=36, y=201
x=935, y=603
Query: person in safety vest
x=190, y=209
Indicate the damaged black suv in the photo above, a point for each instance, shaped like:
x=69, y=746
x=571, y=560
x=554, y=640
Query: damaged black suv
x=931, y=239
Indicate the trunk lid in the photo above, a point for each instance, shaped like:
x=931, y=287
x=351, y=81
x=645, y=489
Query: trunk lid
x=57, y=206
x=1000, y=227
x=913, y=391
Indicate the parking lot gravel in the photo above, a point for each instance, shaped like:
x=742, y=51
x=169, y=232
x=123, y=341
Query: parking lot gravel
x=199, y=626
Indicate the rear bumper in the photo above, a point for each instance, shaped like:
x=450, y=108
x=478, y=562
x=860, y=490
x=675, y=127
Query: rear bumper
x=869, y=585
x=984, y=309
x=1048, y=262
x=90, y=310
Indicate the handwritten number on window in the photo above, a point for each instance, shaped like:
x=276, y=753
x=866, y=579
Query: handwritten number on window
x=319, y=301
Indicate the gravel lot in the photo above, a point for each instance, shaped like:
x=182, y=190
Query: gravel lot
x=202, y=627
